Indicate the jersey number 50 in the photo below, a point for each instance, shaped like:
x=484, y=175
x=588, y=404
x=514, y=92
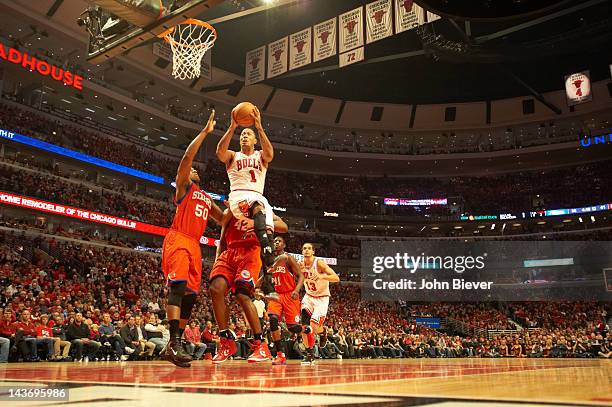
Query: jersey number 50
x=201, y=211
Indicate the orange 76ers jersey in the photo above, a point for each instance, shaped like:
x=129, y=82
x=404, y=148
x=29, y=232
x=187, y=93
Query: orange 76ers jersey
x=192, y=212
x=284, y=280
x=236, y=233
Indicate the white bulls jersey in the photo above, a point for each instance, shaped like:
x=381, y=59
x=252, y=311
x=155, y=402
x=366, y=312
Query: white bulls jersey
x=314, y=284
x=247, y=172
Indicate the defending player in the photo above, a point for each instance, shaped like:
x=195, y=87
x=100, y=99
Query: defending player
x=246, y=170
x=317, y=276
x=237, y=269
x=284, y=272
x=181, y=254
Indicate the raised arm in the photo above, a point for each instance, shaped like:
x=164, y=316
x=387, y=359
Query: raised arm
x=184, y=169
x=328, y=274
x=223, y=153
x=267, y=151
x=227, y=215
x=216, y=213
x=297, y=271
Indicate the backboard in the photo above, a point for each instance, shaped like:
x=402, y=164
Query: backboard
x=116, y=26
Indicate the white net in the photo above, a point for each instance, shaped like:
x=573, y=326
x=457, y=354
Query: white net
x=189, y=42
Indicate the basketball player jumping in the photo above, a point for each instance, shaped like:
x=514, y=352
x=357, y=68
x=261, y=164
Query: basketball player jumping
x=246, y=170
x=237, y=269
x=181, y=254
x=284, y=272
x=317, y=276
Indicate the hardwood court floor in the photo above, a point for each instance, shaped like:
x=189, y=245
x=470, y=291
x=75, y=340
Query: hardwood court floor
x=404, y=382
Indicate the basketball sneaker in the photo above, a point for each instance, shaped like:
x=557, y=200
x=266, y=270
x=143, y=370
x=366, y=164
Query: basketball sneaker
x=280, y=359
x=227, y=348
x=261, y=353
x=176, y=354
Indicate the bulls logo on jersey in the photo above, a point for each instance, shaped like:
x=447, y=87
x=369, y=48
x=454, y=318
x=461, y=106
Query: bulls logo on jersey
x=247, y=172
x=245, y=274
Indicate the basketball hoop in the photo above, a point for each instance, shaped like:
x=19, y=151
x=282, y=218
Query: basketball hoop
x=189, y=42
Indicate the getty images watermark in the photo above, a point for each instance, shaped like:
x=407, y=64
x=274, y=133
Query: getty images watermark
x=442, y=270
x=411, y=264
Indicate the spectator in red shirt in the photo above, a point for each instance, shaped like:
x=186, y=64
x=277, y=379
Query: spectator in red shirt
x=44, y=331
x=27, y=326
x=192, y=336
x=209, y=338
x=5, y=345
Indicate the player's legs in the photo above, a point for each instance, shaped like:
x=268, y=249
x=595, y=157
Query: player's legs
x=175, y=352
x=194, y=278
x=175, y=265
x=260, y=349
x=219, y=287
x=243, y=298
x=218, y=290
x=222, y=276
x=258, y=213
x=275, y=309
x=248, y=264
x=288, y=308
x=308, y=337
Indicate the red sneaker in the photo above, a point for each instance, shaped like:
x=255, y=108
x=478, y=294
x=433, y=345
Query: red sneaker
x=261, y=353
x=279, y=359
x=226, y=349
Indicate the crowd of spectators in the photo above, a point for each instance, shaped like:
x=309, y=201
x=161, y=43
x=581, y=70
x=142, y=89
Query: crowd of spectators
x=53, y=189
x=554, y=188
x=64, y=300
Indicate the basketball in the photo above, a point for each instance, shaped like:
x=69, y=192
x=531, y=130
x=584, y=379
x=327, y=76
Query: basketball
x=242, y=114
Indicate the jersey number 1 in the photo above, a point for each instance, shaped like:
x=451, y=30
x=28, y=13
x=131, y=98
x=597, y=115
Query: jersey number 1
x=253, y=179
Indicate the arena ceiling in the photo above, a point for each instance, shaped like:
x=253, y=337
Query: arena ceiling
x=535, y=42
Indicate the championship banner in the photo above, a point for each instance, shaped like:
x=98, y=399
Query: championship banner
x=431, y=17
x=349, y=58
x=85, y=214
x=379, y=23
x=277, y=57
x=324, y=40
x=300, y=53
x=162, y=50
x=578, y=88
x=254, y=70
x=351, y=29
x=408, y=15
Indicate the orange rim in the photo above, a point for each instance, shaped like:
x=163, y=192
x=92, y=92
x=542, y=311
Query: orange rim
x=167, y=35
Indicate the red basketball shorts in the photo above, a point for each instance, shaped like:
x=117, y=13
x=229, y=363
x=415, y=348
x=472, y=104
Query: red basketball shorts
x=182, y=260
x=239, y=266
x=287, y=307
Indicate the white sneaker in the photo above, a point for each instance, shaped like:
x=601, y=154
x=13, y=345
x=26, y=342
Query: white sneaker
x=124, y=357
x=339, y=356
x=129, y=350
x=107, y=358
x=86, y=359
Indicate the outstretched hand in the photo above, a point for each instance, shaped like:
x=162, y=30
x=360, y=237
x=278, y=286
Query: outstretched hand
x=256, y=117
x=210, y=125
